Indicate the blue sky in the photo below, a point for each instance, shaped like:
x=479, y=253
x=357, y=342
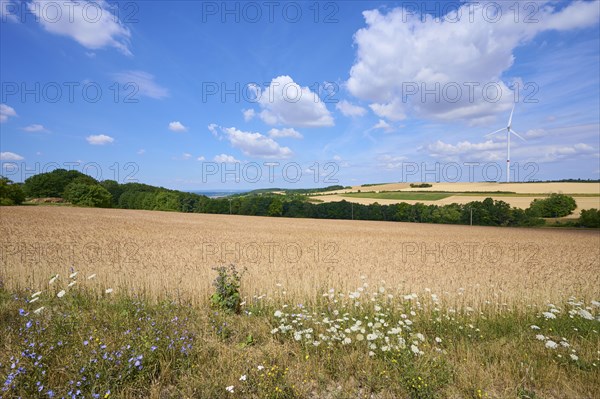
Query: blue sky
x=190, y=95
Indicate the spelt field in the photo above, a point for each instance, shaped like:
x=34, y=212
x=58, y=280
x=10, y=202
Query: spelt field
x=115, y=303
x=173, y=253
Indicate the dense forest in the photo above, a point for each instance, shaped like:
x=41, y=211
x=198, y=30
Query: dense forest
x=80, y=189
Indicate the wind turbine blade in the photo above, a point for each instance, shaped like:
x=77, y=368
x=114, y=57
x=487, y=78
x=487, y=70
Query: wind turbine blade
x=497, y=131
x=511, y=114
x=517, y=134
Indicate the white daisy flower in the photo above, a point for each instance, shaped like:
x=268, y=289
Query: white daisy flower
x=551, y=344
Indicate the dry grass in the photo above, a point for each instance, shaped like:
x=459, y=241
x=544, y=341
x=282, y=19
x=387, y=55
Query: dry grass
x=173, y=253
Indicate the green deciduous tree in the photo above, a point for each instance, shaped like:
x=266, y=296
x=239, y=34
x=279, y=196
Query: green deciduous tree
x=53, y=184
x=589, y=218
x=555, y=206
x=93, y=195
x=276, y=208
x=10, y=193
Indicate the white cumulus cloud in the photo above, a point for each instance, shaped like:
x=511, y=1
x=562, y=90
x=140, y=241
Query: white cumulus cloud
x=287, y=132
x=383, y=125
x=437, y=67
x=349, y=109
x=248, y=114
x=10, y=156
x=224, y=158
x=255, y=144
x=99, y=139
x=6, y=112
x=94, y=25
x=35, y=128
x=488, y=150
x=177, y=126
x=285, y=102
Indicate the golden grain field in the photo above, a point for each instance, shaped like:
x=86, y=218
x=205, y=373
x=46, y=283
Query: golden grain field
x=517, y=202
x=172, y=253
x=519, y=188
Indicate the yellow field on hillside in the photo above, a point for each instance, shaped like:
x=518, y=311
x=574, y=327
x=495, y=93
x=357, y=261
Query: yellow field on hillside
x=519, y=188
x=172, y=253
x=537, y=190
x=517, y=202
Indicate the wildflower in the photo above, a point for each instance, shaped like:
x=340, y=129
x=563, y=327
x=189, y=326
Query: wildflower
x=260, y=367
x=551, y=344
x=574, y=357
x=549, y=315
x=540, y=337
x=347, y=341
x=61, y=294
x=229, y=389
x=414, y=349
x=438, y=340
x=360, y=337
x=72, y=283
x=278, y=313
x=243, y=377
x=371, y=337
x=534, y=327
x=585, y=314
x=108, y=291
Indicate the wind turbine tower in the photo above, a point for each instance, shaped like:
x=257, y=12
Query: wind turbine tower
x=509, y=131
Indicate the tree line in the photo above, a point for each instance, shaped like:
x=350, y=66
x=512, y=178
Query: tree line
x=80, y=189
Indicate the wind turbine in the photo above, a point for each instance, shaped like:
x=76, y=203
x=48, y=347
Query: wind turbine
x=509, y=130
